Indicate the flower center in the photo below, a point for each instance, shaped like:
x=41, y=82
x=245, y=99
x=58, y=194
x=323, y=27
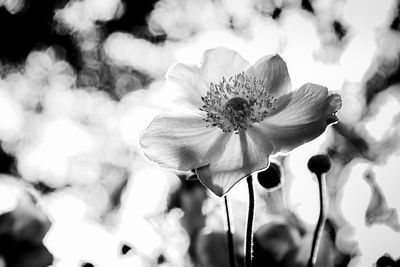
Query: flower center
x=237, y=112
x=236, y=103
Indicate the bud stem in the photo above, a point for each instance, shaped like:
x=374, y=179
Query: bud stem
x=249, y=227
x=321, y=220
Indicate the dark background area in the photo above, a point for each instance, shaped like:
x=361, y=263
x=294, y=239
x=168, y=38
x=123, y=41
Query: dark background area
x=34, y=27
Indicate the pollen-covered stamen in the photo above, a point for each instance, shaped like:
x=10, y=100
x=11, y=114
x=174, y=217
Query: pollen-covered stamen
x=236, y=103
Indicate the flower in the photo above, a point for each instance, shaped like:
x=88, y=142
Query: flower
x=237, y=116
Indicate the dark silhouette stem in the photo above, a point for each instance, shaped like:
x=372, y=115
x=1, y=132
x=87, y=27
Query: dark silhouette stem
x=229, y=234
x=249, y=227
x=321, y=221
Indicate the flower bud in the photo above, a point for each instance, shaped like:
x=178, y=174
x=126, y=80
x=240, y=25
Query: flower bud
x=385, y=261
x=125, y=249
x=319, y=164
x=270, y=178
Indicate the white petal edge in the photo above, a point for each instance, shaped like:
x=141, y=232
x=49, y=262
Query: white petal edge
x=303, y=115
x=273, y=70
x=188, y=83
x=245, y=153
x=222, y=62
x=182, y=141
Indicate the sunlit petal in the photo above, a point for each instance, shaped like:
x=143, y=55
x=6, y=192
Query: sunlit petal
x=191, y=84
x=222, y=62
x=182, y=142
x=244, y=154
x=301, y=116
x=272, y=70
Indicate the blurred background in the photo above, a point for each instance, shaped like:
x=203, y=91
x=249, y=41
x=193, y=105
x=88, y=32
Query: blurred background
x=79, y=80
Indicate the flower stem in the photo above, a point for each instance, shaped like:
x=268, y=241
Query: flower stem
x=229, y=234
x=249, y=227
x=321, y=221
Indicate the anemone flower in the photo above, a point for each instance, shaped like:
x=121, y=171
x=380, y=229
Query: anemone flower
x=237, y=115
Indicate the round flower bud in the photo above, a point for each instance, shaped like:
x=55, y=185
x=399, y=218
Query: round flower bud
x=319, y=164
x=125, y=249
x=270, y=178
x=385, y=261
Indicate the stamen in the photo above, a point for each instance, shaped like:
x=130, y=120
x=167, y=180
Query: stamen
x=236, y=103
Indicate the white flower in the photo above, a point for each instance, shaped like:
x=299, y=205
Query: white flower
x=239, y=115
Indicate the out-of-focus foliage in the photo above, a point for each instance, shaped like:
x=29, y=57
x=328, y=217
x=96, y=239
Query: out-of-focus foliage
x=23, y=225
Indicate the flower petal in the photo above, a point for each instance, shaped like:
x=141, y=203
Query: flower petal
x=222, y=62
x=182, y=141
x=272, y=69
x=301, y=116
x=191, y=85
x=244, y=154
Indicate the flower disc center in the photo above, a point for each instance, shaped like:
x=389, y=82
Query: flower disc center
x=237, y=111
x=238, y=105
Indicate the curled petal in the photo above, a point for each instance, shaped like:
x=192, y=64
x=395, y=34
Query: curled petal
x=300, y=116
x=244, y=154
x=272, y=69
x=191, y=85
x=182, y=142
x=222, y=62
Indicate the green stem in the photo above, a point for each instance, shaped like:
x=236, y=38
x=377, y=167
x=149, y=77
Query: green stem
x=321, y=221
x=249, y=227
x=229, y=234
